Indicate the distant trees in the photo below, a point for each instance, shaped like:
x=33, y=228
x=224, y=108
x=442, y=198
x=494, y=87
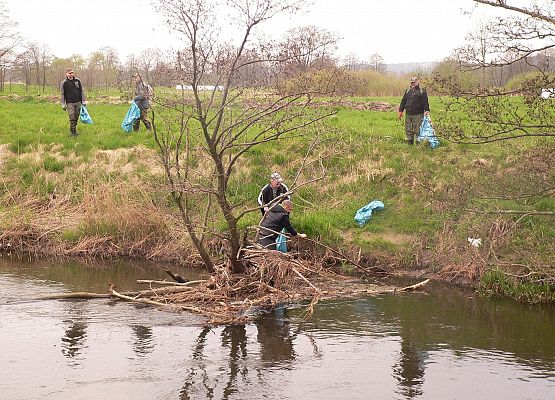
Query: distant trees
x=522, y=42
x=308, y=47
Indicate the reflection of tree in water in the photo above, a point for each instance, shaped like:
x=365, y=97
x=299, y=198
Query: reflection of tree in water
x=276, y=345
x=235, y=338
x=409, y=370
x=198, y=370
x=73, y=340
x=144, y=342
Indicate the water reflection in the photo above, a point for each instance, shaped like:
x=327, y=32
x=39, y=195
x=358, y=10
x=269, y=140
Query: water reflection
x=234, y=338
x=144, y=342
x=75, y=332
x=74, y=338
x=409, y=370
x=275, y=347
x=275, y=338
x=445, y=344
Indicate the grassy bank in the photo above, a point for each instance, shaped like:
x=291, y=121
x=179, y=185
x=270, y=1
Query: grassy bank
x=104, y=194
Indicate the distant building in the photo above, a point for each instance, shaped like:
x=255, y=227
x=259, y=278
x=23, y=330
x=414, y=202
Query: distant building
x=200, y=87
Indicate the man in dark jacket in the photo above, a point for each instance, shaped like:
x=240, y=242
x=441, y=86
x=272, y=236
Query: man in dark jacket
x=276, y=219
x=415, y=102
x=269, y=192
x=143, y=94
x=72, y=97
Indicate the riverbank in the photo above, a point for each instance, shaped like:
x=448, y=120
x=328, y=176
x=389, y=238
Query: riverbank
x=103, y=195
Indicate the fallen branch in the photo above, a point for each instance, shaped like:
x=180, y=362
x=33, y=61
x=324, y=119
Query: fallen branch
x=74, y=295
x=87, y=295
x=172, y=306
x=412, y=287
x=169, y=283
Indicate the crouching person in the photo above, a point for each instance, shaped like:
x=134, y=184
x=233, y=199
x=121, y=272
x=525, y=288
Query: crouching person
x=276, y=219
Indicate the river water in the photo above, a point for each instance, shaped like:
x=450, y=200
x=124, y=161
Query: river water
x=446, y=343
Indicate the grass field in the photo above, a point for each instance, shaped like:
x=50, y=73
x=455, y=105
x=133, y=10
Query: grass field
x=427, y=193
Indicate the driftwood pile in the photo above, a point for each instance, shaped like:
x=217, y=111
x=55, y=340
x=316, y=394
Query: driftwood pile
x=271, y=278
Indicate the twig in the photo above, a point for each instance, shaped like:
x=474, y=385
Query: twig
x=377, y=269
x=518, y=212
x=173, y=306
x=306, y=280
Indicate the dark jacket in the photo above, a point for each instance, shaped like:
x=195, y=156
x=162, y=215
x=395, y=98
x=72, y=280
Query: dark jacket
x=143, y=93
x=415, y=101
x=267, y=195
x=275, y=219
x=71, y=91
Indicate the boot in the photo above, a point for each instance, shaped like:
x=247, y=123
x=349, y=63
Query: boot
x=410, y=140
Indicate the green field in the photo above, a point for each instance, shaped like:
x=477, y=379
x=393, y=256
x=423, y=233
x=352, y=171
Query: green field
x=114, y=188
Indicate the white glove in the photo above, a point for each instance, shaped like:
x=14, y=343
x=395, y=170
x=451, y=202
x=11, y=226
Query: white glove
x=301, y=235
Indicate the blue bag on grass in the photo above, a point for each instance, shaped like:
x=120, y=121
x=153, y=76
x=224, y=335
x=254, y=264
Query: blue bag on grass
x=281, y=241
x=427, y=133
x=133, y=114
x=84, y=115
x=363, y=215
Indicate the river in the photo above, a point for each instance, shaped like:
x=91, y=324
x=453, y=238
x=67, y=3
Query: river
x=444, y=343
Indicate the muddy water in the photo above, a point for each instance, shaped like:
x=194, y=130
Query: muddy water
x=443, y=344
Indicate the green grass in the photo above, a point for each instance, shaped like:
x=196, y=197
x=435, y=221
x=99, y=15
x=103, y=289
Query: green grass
x=365, y=158
x=496, y=283
x=28, y=125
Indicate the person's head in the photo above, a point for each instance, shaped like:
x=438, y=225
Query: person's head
x=414, y=82
x=275, y=180
x=69, y=73
x=287, y=205
x=136, y=77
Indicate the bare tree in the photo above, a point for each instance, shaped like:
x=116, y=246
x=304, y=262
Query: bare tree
x=376, y=63
x=351, y=62
x=148, y=61
x=204, y=135
x=308, y=47
x=492, y=114
x=9, y=39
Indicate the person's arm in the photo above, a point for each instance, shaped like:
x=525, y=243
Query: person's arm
x=261, y=196
x=403, y=104
x=62, y=95
x=426, y=104
x=285, y=190
x=287, y=225
x=83, y=97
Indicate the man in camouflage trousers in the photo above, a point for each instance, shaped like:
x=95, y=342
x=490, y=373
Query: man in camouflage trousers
x=415, y=103
x=72, y=97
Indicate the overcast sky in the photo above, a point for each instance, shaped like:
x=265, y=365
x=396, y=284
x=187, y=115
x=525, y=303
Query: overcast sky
x=398, y=30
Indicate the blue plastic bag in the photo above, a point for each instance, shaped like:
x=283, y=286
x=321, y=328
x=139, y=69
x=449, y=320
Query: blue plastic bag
x=281, y=241
x=84, y=115
x=363, y=215
x=133, y=114
x=427, y=133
